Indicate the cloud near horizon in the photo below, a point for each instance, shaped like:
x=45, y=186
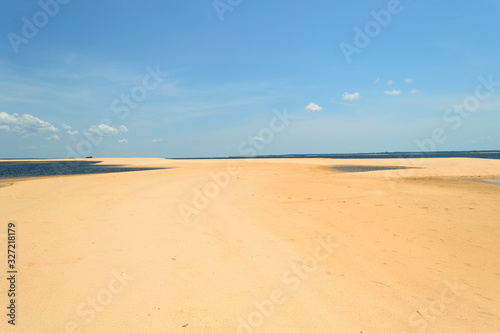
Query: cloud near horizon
x=52, y=137
x=393, y=92
x=107, y=130
x=351, y=97
x=26, y=125
x=313, y=107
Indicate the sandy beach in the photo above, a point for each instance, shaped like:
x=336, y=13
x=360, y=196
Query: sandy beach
x=263, y=245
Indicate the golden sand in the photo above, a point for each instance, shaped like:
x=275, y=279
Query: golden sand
x=278, y=245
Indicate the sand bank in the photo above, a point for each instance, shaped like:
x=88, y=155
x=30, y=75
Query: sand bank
x=280, y=245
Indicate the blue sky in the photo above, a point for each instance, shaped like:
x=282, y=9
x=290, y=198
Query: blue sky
x=204, y=78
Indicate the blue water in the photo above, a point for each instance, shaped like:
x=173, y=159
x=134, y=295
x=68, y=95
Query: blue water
x=494, y=181
x=489, y=154
x=16, y=169
x=359, y=168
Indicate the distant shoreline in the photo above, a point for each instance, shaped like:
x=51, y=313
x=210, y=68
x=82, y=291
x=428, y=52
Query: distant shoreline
x=490, y=154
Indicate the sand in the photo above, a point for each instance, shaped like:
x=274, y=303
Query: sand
x=278, y=245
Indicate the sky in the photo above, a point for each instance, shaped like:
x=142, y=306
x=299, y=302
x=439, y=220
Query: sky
x=191, y=78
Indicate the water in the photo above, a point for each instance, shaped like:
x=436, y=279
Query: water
x=488, y=154
x=16, y=169
x=494, y=181
x=359, y=168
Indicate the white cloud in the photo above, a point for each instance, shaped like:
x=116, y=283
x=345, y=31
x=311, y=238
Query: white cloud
x=313, y=107
x=472, y=141
x=351, y=97
x=390, y=82
x=107, y=130
x=52, y=137
x=258, y=138
x=414, y=91
x=71, y=132
x=26, y=124
x=409, y=80
x=123, y=141
x=393, y=92
x=19, y=131
x=157, y=140
x=103, y=129
x=377, y=80
x=66, y=127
